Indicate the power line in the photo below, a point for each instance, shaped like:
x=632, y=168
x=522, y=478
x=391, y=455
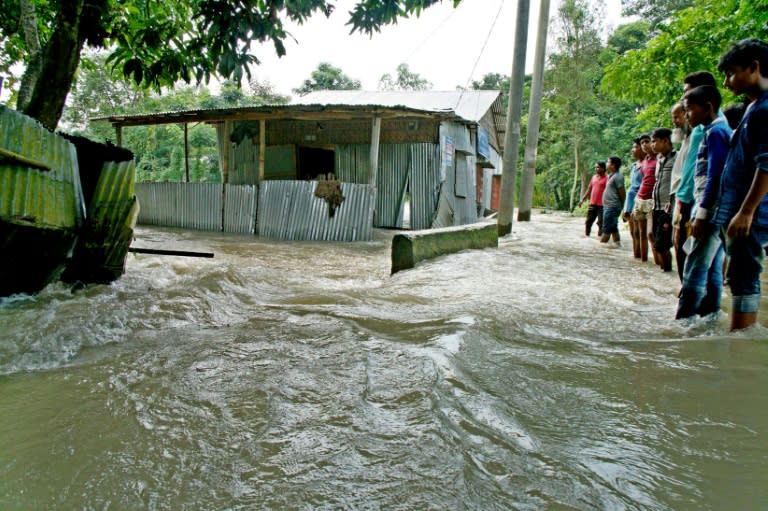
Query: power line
x=429, y=36
x=482, y=50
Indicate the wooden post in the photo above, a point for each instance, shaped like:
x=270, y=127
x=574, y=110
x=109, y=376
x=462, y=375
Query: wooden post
x=225, y=146
x=225, y=143
x=119, y=135
x=186, y=153
x=375, y=136
x=262, y=147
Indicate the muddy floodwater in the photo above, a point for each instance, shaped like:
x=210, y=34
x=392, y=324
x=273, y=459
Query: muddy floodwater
x=545, y=374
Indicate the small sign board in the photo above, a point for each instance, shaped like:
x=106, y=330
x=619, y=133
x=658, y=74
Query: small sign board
x=483, y=146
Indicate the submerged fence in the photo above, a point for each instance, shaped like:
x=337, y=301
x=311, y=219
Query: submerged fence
x=285, y=210
x=289, y=210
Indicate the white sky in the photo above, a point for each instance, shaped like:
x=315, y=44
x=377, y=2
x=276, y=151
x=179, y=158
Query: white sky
x=443, y=45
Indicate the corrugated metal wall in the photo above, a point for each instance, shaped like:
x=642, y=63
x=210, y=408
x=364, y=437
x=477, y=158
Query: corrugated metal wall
x=198, y=206
x=53, y=197
x=289, y=210
x=353, y=163
x=419, y=164
x=458, y=190
x=425, y=184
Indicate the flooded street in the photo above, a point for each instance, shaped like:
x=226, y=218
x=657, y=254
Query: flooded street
x=546, y=374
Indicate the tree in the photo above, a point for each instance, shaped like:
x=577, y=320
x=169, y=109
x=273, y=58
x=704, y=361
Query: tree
x=327, y=77
x=157, y=43
x=494, y=81
x=579, y=124
x=263, y=93
x=158, y=149
x=405, y=80
x=653, y=12
x=692, y=40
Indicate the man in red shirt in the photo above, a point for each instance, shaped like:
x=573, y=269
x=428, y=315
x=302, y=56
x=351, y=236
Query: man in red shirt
x=595, y=193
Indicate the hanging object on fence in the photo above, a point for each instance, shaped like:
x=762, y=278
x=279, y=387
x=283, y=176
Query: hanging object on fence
x=329, y=188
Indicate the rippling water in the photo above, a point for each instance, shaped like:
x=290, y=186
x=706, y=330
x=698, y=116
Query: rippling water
x=547, y=374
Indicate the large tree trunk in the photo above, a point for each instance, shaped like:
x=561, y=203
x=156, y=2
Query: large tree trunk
x=32, y=41
x=576, y=174
x=60, y=59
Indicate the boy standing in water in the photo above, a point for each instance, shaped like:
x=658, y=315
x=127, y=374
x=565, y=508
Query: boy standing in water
x=703, y=273
x=635, y=177
x=595, y=193
x=613, y=198
x=644, y=199
x=661, y=142
x=743, y=204
x=681, y=190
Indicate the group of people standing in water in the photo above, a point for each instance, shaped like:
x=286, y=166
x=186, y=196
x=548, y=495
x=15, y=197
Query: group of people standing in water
x=698, y=192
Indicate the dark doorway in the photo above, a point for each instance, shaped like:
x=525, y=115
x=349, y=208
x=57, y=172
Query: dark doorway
x=315, y=161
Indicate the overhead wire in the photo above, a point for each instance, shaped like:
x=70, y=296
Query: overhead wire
x=482, y=50
x=429, y=36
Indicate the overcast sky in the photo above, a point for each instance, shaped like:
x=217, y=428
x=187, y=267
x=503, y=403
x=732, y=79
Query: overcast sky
x=447, y=46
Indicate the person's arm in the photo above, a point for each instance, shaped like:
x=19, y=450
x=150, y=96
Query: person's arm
x=742, y=221
x=718, y=144
x=622, y=192
x=717, y=150
x=586, y=194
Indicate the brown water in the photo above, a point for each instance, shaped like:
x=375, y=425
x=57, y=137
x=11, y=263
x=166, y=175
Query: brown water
x=547, y=374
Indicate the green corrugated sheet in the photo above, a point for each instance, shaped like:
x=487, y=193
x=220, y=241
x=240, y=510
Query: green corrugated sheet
x=51, y=198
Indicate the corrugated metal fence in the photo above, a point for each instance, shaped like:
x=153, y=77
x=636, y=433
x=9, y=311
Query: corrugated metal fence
x=402, y=167
x=289, y=210
x=198, y=206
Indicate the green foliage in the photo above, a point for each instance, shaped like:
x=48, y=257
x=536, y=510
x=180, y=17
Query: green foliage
x=579, y=124
x=495, y=81
x=327, y=77
x=158, y=149
x=157, y=43
x=654, y=11
x=692, y=40
x=405, y=80
x=369, y=15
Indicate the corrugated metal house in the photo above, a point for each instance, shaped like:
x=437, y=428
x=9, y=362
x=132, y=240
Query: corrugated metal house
x=404, y=159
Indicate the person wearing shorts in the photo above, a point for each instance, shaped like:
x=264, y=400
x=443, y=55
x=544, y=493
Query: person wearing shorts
x=644, y=199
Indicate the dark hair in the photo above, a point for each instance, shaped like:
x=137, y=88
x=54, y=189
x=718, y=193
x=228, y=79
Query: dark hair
x=703, y=95
x=601, y=164
x=733, y=113
x=699, y=78
x=616, y=162
x=636, y=140
x=662, y=134
x=743, y=54
x=644, y=136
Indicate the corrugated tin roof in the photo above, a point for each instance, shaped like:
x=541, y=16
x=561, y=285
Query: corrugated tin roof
x=470, y=105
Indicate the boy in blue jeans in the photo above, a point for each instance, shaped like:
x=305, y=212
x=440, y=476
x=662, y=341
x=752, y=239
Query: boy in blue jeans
x=703, y=272
x=743, y=205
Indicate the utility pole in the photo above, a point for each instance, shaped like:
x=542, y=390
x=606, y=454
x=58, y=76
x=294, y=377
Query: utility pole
x=534, y=116
x=514, y=112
